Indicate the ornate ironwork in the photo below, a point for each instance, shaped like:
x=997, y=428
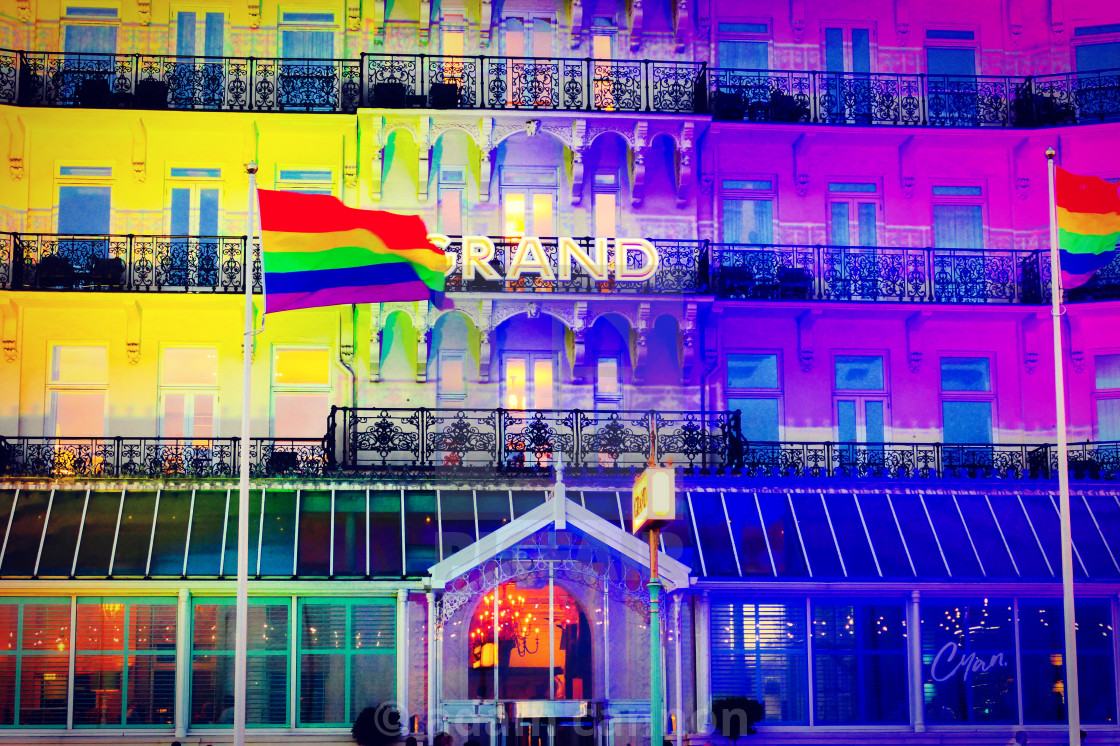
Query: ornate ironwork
x=158, y=458
x=571, y=555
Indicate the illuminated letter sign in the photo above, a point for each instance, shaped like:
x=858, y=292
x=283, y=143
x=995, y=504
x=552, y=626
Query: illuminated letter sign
x=655, y=498
x=530, y=257
x=946, y=664
x=645, y=270
x=478, y=251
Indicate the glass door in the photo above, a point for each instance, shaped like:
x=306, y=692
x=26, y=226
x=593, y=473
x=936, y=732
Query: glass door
x=847, y=56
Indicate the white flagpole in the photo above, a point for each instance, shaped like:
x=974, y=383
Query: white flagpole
x=240, y=677
x=1070, y=656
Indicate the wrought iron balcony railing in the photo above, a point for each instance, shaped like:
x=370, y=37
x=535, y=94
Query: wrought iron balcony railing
x=158, y=458
x=398, y=81
x=499, y=443
x=913, y=99
x=144, y=81
x=215, y=264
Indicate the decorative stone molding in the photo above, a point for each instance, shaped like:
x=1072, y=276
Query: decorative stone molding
x=254, y=8
x=375, y=136
x=902, y=21
x=423, y=341
x=485, y=19
x=132, y=319
x=686, y=153
x=1021, y=157
x=353, y=15
x=425, y=21
x=637, y=16
x=801, y=163
x=906, y=165
x=16, y=138
x=579, y=336
x=23, y=10
x=486, y=338
x=1076, y=338
x=806, y=342
x=579, y=149
x=643, y=327
x=797, y=19
x=139, y=150
x=577, y=22
x=681, y=22
x=690, y=338
x=915, y=350
x=144, y=8
x=1058, y=17
x=424, y=149
x=485, y=166
x=638, y=169
x=9, y=330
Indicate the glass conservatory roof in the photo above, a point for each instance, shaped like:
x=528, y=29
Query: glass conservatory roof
x=394, y=533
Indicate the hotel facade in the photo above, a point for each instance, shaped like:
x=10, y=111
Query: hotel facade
x=799, y=249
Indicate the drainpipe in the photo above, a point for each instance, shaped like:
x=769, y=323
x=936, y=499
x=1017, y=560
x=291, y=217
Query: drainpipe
x=346, y=349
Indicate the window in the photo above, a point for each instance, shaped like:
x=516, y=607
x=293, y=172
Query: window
x=743, y=45
x=606, y=205
x=608, y=382
x=748, y=210
x=452, y=377
x=90, y=31
x=529, y=83
x=212, y=662
x=859, y=663
x=861, y=399
x=199, y=34
x=79, y=377
x=1106, y=396
x=950, y=62
x=307, y=36
x=305, y=180
x=301, y=391
x=753, y=388
x=852, y=211
x=124, y=662
x=452, y=180
x=84, y=208
x=529, y=199
x=958, y=217
x=759, y=651
x=194, y=197
x=979, y=630
x=189, y=393
x=347, y=658
x=1042, y=652
x=530, y=380
x=1097, y=47
x=966, y=400
x=34, y=661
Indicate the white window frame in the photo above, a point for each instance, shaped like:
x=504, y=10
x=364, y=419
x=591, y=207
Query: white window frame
x=969, y=396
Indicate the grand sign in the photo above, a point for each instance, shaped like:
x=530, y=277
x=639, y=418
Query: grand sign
x=631, y=259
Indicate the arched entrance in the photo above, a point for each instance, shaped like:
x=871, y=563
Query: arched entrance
x=530, y=639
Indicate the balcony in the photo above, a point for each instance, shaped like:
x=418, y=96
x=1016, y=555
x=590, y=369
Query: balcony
x=759, y=272
x=140, y=81
x=404, y=81
x=502, y=444
x=911, y=100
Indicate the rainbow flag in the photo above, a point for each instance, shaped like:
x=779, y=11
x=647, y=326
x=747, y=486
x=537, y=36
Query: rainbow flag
x=1088, y=225
x=316, y=251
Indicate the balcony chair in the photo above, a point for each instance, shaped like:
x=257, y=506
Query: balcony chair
x=95, y=93
x=151, y=94
x=444, y=95
x=108, y=272
x=283, y=462
x=55, y=271
x=795, y=282
x=389, y=96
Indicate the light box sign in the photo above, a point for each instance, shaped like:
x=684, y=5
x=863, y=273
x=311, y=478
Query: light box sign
x=630, y=259
x=655, y=498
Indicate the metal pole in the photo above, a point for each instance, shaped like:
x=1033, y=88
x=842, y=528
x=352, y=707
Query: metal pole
x=656, y=725
x=242, y=626
x=1070, y=657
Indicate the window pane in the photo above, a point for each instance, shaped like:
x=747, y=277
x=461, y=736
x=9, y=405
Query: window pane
x=859, y=663
x=748, y=221
x=1108, y=419
x=385, y=534
x=918, y=535
x=986, y=535
x=62, y=533
x=215, y=26
x=752, y=371
x=515, y=215
x=301, y=367
x=79, y=364
x=965, y=374
x=951, y=534
x=861, y=50
x=758, y=651
x=950, y=632
x=451, y=211
x=542, y=384
x=420, y=524
x=951, y=61
x=229, y=566
x=885, y=538
x=846, y=431
x=606, y=211
x=759, y=421
x=958, y=227
x=743, y=55
x=859, y=373
x=834, y=50
x=966, y=421
x=189, y=366
x=457, y=520
x=350, y=540
x=839, y=234
x=850, y=535
x=83, y=209
x=824, y=559
x=314, y=533
x=97, y=534
x=26, y=533
x=278, y=541
x=607, y=377
x=542, y=215
x=78, y=414
x=171, y=532
x=874, y=421
x=207, y=533
x=789, y=559
x=1105, y=56
x=307, y=44
x=747, y=533
x=868, y=236
x=135, y=534
x=714, y=536
x=452, y=375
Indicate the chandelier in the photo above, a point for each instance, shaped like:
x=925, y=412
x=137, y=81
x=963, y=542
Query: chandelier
x=518, y=626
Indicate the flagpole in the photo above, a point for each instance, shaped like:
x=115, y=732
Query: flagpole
x=241, y=647
x=1073, y=703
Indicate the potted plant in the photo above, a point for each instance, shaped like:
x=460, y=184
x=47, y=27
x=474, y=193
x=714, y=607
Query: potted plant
x=731, y=713
x=377, y=725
